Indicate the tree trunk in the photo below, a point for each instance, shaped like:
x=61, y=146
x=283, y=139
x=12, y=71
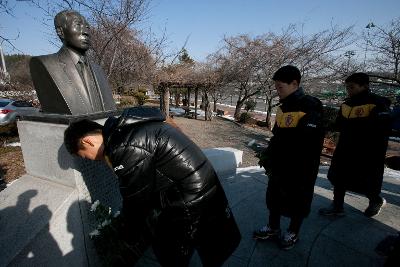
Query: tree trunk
x=269, y=110
x=112, y=62
x=177, y=98
x=215, y=105
x=188, y=96
x=239, y=105
x=214, y=98
x=164, y=101
x=207, y=107
x=196, y=94
x=202, y=103
x=161, y=98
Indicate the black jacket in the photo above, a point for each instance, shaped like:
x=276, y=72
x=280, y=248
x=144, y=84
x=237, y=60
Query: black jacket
x=358, y=161
x=293, y=155
x=161, y=171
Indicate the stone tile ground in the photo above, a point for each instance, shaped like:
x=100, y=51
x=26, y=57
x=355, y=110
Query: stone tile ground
x=347, y=241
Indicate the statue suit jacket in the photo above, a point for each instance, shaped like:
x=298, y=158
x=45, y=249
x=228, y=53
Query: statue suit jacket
x=60, y=88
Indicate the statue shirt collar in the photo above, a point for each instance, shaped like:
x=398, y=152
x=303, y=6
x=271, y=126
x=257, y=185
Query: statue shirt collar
x=74, y=55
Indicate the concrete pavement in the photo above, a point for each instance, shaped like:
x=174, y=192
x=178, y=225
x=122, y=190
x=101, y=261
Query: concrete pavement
x=346, y=241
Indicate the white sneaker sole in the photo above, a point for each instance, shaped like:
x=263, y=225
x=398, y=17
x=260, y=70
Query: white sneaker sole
x=383, y=204
x=380, y=209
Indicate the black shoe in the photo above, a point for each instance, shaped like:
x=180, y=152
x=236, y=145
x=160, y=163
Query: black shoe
x=266, y=233
x=332, y=211
x=288, y=240
x=374, y=208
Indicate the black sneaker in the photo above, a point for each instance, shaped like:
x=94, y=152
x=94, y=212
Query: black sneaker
x=288, y=240
x=266, y=233
x=374, y=208
x=332, y=211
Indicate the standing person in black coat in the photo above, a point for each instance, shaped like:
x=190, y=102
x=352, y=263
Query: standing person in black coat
x=292, y=158
x=169, y=188
x=358, y=161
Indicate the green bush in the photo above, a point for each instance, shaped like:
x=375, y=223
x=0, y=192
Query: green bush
x=141, y=96
x=329, y=116
x=250, y=105
x=127, y=101
x=262, y=123
x=244, y=117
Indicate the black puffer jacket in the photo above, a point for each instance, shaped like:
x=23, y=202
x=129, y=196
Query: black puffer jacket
x=162, y=170
x=293, y=155
x=358, y=161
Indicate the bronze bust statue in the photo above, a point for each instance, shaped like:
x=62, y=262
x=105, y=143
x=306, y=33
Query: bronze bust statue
x=66, y=82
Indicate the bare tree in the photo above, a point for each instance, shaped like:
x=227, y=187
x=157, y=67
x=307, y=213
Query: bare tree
x=238, y=63
x=248, y=63
x=209, y=79
x=315, y=53
x=384, y=42
x=274, y=51
x=128, y=62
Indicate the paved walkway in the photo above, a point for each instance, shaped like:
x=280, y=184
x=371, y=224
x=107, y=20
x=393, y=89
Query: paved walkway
x=346, y=241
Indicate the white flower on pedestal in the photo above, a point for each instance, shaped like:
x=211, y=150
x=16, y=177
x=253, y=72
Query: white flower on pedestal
x=95, y=205
x=105, y=223
x=94, y=233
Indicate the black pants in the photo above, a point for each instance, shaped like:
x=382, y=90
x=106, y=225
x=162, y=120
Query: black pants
x=294, y=226
x=173, y=252
x=214, y=237
x=339, y=193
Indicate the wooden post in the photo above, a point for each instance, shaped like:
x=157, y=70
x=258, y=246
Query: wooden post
x=164, y=101
x=196, y=93
x=188, y=96
x=160, y=89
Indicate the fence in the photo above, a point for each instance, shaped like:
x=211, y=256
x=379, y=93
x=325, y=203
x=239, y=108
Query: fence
x=6, y=94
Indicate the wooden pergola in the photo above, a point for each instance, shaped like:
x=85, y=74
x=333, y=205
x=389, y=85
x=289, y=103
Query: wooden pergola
x=164, y=89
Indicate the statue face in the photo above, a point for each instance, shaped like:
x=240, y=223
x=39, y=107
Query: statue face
x=76, y=33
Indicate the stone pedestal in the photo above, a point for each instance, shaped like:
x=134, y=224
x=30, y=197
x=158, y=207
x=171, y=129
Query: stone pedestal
x=225, y=160
x=45, y=218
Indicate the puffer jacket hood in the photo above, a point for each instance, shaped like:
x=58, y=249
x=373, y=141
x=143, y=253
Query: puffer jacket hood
x=130, y=116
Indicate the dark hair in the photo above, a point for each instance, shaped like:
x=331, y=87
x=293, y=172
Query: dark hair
x=76, y=131
x=287, y=74
x=359, y=78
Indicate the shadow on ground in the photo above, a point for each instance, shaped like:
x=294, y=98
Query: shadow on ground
x=347, y=241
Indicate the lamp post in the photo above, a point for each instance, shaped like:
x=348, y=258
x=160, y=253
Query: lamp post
x=349, y=54
x=4, y=76
x=368, y=27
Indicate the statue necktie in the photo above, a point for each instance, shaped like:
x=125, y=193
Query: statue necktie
x=85, y=76
x=88, y=82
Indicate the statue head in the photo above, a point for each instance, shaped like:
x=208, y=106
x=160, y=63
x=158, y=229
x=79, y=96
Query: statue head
x=73, y=30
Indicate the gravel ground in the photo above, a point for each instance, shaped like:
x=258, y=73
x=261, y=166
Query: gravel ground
x=222, y=133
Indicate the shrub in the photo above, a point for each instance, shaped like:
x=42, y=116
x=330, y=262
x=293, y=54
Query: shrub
x=244, y=117
x=141, y=96
x=329, y=116
x=250, y=105
x=127, y=101
x=262, y=123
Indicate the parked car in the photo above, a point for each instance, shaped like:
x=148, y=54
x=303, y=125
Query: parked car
x=12, y=110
